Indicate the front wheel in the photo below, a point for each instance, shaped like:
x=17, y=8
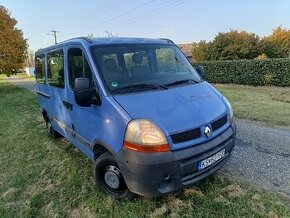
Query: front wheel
x=109, y=177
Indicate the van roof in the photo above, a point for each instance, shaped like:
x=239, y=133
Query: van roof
x=106, y=41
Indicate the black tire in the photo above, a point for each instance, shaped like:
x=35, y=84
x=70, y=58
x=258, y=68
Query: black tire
x=109, y=177
x=50, y=130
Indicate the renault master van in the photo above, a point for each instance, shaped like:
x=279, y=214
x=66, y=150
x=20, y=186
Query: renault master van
x=138, y=110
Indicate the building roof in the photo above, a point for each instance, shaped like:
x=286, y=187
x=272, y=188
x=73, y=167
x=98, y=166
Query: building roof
x=186, y=49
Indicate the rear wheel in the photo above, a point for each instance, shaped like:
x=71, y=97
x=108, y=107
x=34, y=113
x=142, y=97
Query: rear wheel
x=109, y=177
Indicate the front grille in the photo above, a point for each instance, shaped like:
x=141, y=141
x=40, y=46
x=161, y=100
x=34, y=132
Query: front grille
x=196, y=133
x=186, y=136
x=218, y=123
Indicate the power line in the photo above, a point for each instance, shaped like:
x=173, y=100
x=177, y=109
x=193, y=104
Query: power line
x=54, y=33
x=100, y=11
x=125, y=13
x=121, y=15
x=145, y=15
x=157, y=11
x=103, y=9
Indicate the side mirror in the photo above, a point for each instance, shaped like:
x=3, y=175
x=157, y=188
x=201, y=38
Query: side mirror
x=200, y=70
x=84, y=95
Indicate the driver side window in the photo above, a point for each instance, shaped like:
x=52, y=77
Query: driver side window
x=78, y=66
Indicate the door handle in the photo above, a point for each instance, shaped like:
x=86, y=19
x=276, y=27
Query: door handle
x=67, y=105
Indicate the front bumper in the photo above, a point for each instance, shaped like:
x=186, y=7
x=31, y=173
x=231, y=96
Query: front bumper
x=155, y=174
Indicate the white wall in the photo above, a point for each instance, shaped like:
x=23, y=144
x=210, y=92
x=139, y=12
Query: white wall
x=30, y=71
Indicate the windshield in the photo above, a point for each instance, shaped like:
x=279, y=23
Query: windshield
x=131, y=68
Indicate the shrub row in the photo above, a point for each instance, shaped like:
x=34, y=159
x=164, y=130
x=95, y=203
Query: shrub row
x=248, y=72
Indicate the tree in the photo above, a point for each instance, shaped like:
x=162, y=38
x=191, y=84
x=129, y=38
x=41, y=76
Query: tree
x=202, y=51
x=277, y=45
x=232, y=45
x=13, y=46
x=235, y=45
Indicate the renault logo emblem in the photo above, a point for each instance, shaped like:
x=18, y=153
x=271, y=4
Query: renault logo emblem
x=207, y=131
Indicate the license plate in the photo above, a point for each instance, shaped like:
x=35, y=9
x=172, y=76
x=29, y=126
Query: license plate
x=211, y=160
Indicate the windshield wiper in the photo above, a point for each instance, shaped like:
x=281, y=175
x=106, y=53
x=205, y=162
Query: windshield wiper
x=140, y=86
x=185, y=81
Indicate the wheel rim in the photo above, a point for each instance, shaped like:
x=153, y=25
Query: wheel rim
x=113, y=179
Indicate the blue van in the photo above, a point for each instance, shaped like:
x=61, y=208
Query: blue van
x=138, y=110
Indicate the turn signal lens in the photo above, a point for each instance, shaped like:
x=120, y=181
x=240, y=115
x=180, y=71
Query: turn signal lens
x=142, y=148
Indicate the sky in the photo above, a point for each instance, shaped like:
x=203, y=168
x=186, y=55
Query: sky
x=183, y=21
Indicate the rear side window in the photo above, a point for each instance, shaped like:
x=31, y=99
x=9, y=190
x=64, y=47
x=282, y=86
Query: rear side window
x=40, y=69
x=55, y=69
x=78, y=66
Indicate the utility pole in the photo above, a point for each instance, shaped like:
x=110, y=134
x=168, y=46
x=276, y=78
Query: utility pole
x=54, y=32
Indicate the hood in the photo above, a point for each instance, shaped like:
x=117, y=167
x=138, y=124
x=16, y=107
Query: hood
x=176, y=109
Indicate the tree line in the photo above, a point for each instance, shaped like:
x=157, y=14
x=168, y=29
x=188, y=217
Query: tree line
x=235, y=45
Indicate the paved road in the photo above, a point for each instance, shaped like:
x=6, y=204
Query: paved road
x=24, y=83
x=261, y=155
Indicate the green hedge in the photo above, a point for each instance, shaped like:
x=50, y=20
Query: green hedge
x=248, y=72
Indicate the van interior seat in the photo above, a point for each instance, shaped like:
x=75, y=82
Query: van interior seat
x=139, y=69
x=111, y=70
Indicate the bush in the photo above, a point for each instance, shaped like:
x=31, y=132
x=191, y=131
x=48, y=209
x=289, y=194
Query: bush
x=248, y=72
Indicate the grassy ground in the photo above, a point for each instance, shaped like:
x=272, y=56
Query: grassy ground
x=40, y=177
x=267, y=104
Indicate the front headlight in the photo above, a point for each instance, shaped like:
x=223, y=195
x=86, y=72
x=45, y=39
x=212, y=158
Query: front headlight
x=143, y=135
x=230, y=108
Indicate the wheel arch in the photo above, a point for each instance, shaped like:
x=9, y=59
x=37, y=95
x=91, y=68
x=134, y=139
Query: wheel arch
x=100, y=148
x=44, y=115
